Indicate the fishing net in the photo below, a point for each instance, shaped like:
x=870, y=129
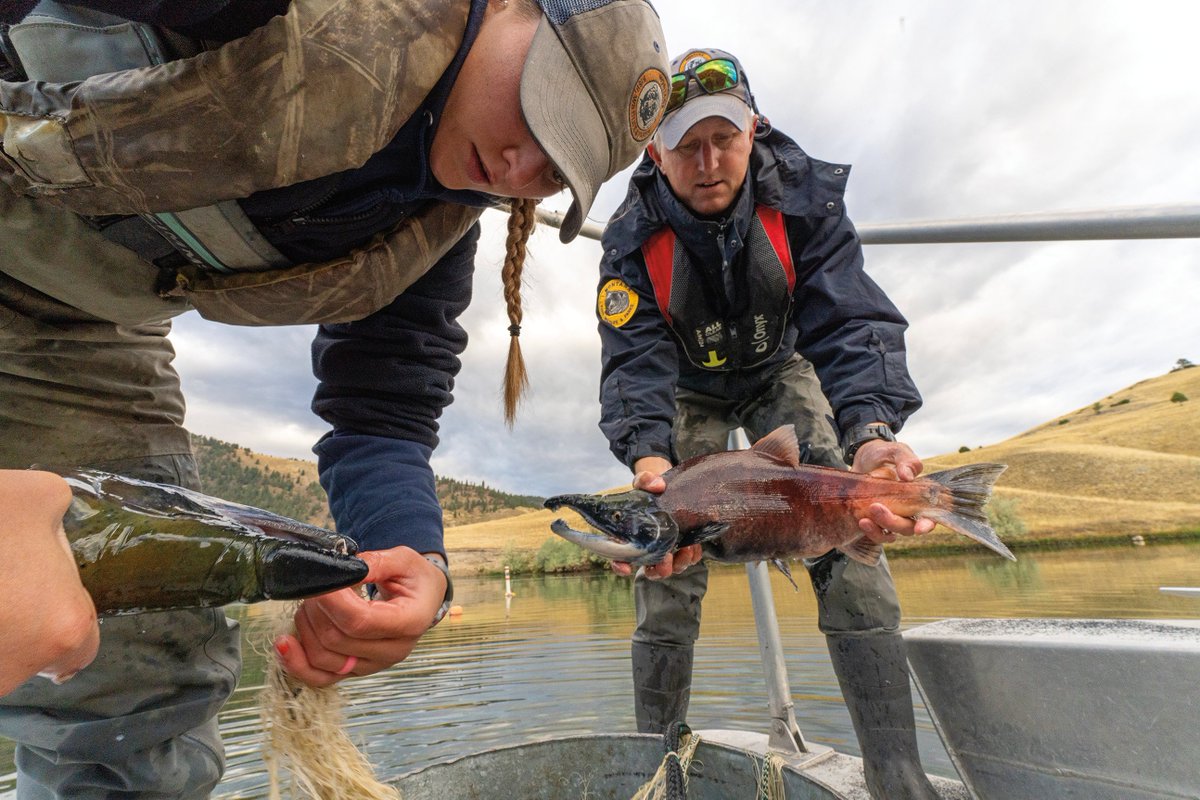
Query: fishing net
x=306, y=735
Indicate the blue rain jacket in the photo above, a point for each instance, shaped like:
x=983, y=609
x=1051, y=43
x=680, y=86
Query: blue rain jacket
x=841, y=320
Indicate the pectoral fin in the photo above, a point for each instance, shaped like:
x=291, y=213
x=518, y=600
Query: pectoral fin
x=863, y=550
x=705, y=533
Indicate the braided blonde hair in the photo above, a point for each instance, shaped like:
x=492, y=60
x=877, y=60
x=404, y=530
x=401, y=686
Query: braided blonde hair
x=521, y=220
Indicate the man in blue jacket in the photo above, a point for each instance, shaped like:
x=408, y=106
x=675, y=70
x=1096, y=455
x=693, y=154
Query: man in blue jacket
x=729, y=273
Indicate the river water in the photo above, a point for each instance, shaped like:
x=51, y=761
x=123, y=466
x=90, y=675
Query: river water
x=554, y=659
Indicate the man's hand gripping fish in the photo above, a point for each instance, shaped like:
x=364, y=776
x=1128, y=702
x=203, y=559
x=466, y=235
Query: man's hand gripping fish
x=143, y=546
x=763, y=504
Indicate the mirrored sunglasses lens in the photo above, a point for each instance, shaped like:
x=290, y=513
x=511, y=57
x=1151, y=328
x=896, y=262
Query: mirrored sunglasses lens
x=679, y=87
x=717, y=75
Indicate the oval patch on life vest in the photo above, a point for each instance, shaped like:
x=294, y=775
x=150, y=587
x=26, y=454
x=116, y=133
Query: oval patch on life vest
x=616, y=303
x=647, y=103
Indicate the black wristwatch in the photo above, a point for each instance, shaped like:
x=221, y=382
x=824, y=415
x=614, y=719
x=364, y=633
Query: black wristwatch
x=867, y=433
x=441, y=612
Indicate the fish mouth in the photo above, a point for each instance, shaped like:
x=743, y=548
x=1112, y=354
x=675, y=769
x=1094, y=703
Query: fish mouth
x=601, y=544
x=631, y=526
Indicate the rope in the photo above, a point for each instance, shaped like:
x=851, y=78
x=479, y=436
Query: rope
x=670, y=780
x=769, y=774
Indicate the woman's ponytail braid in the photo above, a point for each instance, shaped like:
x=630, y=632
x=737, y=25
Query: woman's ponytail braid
x=521, y=219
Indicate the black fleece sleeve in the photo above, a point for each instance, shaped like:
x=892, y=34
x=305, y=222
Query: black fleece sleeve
x=383, y=384
x=392, y=373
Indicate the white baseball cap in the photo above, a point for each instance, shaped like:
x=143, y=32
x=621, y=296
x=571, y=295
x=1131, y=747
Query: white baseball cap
x=700, y=101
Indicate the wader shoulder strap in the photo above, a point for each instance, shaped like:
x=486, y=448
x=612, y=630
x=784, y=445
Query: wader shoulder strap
x=341, y=290
x=264, y=111
x=659, y=253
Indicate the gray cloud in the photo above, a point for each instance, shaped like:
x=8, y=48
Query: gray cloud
x=945, y=109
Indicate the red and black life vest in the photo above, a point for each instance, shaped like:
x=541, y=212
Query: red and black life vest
x=719, y=340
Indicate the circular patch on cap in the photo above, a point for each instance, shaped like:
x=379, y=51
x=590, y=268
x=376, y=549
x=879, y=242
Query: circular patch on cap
x=646, y=104
x=616, y=302
x=693, y=59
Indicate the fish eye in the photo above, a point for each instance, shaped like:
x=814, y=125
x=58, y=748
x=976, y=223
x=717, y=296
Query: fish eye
x=618, y=516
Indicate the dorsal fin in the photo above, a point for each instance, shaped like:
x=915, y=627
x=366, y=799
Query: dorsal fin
x=780, y=443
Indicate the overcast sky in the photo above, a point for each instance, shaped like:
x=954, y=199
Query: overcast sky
x=944, y=109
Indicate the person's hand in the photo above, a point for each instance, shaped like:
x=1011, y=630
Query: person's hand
x=48, y=618
x=342, y=633
x=648, y=477
x=897, y=461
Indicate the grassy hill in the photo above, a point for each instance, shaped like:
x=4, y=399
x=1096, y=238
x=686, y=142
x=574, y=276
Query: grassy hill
x=1129, y=463
x=286, y=486
x=289, y=486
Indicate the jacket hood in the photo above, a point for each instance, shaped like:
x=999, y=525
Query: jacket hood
x=784, y=178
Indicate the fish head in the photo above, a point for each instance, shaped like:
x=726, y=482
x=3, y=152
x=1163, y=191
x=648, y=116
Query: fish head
x=633, y=528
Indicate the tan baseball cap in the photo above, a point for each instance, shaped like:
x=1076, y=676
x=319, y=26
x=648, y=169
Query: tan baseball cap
x=593, y=90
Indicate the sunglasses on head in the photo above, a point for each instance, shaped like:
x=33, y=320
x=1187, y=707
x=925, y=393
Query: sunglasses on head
x=714, y=75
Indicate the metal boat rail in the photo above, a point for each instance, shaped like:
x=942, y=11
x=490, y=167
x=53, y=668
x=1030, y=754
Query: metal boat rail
x=1179, y=221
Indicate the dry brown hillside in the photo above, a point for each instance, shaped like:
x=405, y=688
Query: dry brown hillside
x=1130, y=463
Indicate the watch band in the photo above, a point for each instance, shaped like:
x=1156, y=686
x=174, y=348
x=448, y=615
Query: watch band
x=867, y=433
x=445, y=607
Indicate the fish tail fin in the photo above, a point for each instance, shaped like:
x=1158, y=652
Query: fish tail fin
x=969, y=487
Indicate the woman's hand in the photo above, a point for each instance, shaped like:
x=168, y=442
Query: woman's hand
x=342, y=633
x=897, y=461
x=48, y=618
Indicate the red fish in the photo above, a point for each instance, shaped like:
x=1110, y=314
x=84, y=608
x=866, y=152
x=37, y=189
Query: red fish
x=763, y=504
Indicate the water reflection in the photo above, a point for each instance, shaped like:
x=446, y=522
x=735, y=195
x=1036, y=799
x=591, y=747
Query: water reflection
x=1023, y=575
x=554, y=659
